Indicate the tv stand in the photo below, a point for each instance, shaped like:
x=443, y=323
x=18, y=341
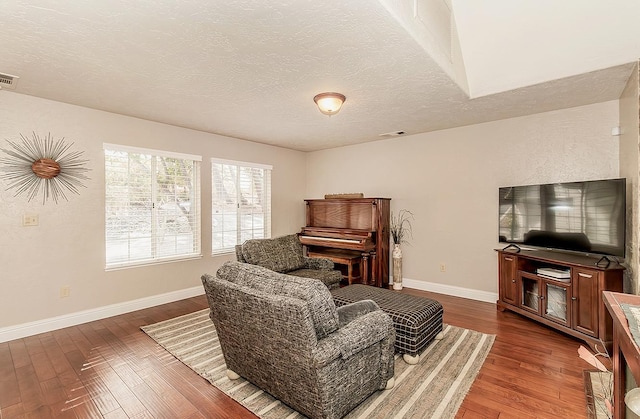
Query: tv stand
x=572, y=305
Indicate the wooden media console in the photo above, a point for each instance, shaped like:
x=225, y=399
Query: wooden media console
x=573, y=304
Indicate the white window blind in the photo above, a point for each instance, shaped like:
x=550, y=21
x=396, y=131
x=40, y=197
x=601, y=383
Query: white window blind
x=152, y=206
x=240, y=203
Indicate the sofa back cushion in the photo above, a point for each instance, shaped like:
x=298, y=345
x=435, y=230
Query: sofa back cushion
x=322, y=308
x=280, y=254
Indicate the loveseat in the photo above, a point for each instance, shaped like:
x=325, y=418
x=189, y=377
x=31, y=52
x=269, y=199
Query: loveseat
x=285, y=255
x=285, y=335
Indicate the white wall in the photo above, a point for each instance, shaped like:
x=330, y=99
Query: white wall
x=67, y=248
x=449, y=179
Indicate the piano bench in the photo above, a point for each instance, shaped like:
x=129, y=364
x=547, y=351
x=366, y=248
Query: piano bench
x=417, y=320
x=342, y=257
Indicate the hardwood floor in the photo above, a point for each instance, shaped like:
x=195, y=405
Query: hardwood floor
x=111, y=369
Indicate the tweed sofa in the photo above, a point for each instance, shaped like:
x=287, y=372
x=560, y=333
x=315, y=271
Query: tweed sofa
x=285, y=335
x=285, y=255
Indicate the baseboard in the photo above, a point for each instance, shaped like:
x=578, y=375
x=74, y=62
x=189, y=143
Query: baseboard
x=72, y=319
x=488, y=297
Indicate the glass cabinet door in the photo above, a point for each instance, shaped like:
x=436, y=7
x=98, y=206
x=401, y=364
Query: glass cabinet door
x=530, y=294
x=556, y=302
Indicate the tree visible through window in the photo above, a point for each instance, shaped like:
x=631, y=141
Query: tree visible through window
x=152, y=203
x=240, y=203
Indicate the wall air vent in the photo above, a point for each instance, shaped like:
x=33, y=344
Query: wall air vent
x=8, y=81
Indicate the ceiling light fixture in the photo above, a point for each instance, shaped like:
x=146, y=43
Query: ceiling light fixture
x=329, y=103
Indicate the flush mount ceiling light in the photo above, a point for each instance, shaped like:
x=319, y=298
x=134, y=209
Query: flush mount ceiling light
x=329, y=103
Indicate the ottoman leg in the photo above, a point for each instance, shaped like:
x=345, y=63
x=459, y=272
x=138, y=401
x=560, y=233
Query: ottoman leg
x=390, y=383
x=439, y=336
x=411, y=359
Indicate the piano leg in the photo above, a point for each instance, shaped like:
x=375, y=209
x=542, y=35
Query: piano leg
x=365, y=268
x=375, y=276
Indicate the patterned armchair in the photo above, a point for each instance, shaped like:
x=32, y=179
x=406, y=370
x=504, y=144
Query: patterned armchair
x=285, y=335
x=285, y=255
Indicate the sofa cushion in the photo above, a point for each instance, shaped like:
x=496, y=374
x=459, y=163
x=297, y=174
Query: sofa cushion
x=322, y=308
x=239, y=255
x=331, y=279
x=280, y=254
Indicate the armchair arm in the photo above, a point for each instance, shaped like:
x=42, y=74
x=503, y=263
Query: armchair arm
x=239, y=255
x=352, y=311
x=357, y=335
x=322, y=264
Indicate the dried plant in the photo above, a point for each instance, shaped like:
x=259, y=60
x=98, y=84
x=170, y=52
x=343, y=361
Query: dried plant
x=401, y=226
x=605, y=377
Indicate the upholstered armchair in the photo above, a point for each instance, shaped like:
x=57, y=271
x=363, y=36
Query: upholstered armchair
x=285, y=255
x=285, y=335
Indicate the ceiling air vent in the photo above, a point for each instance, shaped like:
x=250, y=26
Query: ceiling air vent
x=392, y=134
x=8, y=81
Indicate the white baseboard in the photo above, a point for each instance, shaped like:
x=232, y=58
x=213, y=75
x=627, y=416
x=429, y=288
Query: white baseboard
x=72, y=319
x=487, y=297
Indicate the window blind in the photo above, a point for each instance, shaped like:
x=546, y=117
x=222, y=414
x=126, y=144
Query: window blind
x=240, y=203
x=152, y=206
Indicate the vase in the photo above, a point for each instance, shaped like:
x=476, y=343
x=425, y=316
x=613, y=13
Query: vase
x=397, y=267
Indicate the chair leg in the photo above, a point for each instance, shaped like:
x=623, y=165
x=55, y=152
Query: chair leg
x=232, y=375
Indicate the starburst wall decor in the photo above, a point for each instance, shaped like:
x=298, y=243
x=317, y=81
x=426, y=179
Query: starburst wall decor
x=43, y=166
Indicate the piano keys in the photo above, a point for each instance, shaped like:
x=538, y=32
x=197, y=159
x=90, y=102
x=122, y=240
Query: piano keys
x=352, y=224
x=337, y=238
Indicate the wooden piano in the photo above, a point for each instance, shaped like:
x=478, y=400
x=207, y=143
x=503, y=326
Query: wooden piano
x=351, y=224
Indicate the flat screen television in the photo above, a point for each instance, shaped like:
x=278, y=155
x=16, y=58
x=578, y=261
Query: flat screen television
x=586, y=217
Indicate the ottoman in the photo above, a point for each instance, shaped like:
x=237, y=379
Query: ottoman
x=417, y=320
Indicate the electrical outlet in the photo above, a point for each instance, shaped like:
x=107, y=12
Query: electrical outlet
x=30, y=220
x=65, y=291
x=443, y=267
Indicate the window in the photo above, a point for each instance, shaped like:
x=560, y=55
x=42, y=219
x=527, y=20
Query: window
x=152, y=206
x=240, y=203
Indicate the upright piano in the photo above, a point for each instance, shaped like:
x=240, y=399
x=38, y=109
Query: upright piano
x=352, y=224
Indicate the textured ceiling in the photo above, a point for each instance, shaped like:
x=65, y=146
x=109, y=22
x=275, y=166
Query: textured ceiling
x=250, y=68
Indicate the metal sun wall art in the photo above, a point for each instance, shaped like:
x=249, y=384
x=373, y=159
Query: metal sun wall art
x=43, y=166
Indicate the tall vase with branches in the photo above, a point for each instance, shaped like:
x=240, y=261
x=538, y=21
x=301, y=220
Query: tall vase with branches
x=401, y=229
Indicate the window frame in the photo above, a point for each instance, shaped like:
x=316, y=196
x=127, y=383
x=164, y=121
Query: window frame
x=195, y=203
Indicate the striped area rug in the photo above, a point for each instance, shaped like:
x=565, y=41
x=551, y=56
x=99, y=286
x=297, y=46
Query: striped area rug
x=434, y=388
